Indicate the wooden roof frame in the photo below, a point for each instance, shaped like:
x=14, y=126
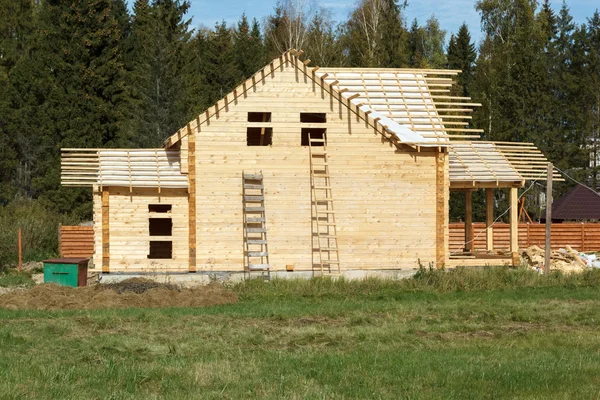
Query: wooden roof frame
x=505, y=164
x=293, y=57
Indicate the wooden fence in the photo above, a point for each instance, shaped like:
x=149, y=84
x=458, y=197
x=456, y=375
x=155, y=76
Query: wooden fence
x=580, y=236
x=76, y=241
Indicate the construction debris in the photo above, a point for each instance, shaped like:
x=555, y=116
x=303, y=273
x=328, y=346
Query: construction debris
x=566, y=260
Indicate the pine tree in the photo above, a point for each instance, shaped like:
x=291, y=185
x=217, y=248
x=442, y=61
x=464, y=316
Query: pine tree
x=222, y=74
x=462, y=56
x=161, y=71
x=249, y=48
x=73, y=92
x=417, y=46
x=17, y=27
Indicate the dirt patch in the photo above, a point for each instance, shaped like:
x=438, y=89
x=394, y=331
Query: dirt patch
x=133, y=292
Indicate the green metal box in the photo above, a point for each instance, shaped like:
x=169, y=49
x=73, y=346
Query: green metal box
x=66, y=271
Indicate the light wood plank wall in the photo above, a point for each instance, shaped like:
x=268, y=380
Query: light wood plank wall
x=129, y=229
x=385, y=200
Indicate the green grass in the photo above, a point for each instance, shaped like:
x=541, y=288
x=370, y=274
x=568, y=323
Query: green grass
x=14, y=278
x=491, y=333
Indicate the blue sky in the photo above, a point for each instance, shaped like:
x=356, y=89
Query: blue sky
x=451, y=13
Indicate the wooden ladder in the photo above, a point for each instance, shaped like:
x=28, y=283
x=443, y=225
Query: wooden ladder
x=323, y=216
x=255, y=225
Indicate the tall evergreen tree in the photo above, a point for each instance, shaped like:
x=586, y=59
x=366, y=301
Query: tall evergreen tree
x=161, y=70
x=80, y=59
x=417, y=46
x=249, y=48
x=462, y=55
x=222, y=73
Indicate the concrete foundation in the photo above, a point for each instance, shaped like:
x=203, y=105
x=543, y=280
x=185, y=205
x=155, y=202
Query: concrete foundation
x=204, y=278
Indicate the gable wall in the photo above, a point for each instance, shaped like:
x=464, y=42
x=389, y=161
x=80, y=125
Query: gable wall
x=384, y=199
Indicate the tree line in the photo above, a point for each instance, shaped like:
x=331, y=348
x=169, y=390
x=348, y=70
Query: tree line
x=91, y=73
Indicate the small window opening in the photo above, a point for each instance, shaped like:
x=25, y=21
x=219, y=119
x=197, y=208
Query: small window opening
x=160, y=249
x=259, y=136
x=259, y=117
x=318, y=118
x=159, y=208
x=161, y=227
x=313, y=133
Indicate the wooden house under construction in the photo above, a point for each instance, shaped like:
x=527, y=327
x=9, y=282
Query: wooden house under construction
x=300, y=168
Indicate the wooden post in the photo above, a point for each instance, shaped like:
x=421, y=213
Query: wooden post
x=105, y=231
x=60, y=239
x=469, y=221
x=440, y=209
x=548, y=248
x=191, y=199
x=489, y=218
x=20, y=245
x=514, y=226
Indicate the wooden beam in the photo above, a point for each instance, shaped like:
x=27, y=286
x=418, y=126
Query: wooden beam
x=489, y=218
x=192, y=198
x=468, y=221
x=548, y=246
x=440, y=210
x=514, y=226
x=105, y=231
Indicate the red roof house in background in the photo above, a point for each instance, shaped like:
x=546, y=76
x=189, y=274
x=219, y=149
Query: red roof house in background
x=579, y=203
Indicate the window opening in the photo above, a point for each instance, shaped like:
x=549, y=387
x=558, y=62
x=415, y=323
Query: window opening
x=161, y=227
x=259, y=117
x=259, y=136
x=314, y=133
x=318, y=118
x=159, y=208
x=161, y=249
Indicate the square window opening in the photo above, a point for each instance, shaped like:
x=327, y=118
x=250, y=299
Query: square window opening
x=313, y=133
x=161, y=227
x=259, y=117
x=259, y=136
x=160, y=249
x=159, y=208
x=318, y=118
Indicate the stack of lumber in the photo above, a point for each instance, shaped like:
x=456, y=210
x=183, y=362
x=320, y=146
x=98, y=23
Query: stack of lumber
x=565, y=260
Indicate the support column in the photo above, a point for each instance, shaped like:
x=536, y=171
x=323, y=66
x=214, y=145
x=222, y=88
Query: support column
x=514, y=226
x=105, y=231
x=441, y=204
x=469, y=221
x=489, y=218
x=191, y=199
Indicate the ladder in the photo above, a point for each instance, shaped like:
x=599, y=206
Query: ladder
x=324, y=227
x=255, y=226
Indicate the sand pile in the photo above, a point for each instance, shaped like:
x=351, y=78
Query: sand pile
x=566, y=260
x=133, y=292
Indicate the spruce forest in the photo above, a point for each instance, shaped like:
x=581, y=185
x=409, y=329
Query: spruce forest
x=95, y=73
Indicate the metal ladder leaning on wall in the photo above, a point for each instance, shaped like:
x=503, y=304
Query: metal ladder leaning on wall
x=255, y=226
x=322, y=204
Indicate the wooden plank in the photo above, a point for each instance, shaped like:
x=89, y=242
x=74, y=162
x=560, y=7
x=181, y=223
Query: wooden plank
x=514, y=226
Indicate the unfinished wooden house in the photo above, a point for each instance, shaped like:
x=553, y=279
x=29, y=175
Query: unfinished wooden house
x=300, y=168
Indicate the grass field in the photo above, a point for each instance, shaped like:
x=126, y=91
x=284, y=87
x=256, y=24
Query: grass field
x=468, y=334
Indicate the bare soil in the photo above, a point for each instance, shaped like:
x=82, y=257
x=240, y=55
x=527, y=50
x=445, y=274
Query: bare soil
x=135, y=292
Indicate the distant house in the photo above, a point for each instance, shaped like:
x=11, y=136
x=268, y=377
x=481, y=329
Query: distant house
x=324, y=170
x=578, y=204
